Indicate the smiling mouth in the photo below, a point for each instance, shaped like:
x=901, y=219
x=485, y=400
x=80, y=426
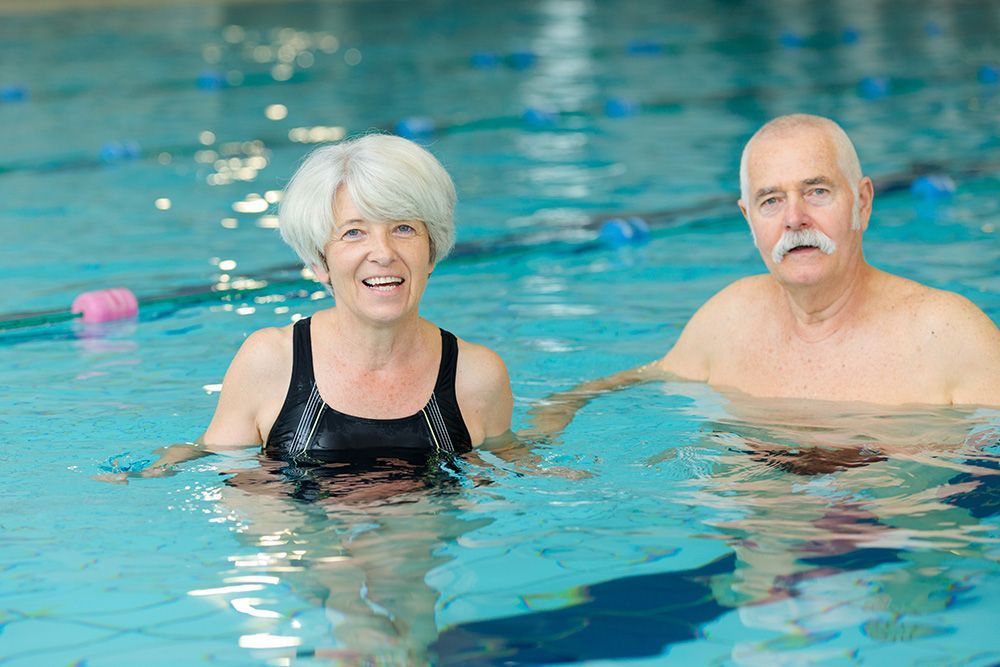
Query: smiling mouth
x=383, y=283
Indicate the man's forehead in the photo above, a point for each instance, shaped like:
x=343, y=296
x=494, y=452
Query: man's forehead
x=793, y=156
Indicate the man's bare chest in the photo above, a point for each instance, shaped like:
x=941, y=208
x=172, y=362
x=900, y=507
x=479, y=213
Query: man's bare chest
x=871, y=368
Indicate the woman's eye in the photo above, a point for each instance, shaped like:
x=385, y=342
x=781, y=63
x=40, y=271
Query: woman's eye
x=351, y=234
x=405, y=229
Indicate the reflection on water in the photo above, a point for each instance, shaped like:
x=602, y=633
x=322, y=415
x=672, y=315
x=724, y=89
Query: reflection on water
x=847, y=528
x=355, y=538
x=897, y=495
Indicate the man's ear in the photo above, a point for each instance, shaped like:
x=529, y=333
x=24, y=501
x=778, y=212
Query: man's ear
x=743, y=210
x=866, y=195
x=746, y=216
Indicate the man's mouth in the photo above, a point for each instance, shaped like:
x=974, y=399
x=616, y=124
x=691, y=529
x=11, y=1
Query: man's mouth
x=802, y=247
x=383, y=283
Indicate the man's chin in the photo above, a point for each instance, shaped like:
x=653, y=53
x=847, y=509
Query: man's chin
x=793, y=273
x=799, y=279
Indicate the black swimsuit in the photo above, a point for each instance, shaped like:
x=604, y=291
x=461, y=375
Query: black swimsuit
x=308, y=428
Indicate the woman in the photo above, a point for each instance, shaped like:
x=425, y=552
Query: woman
x=371, y=216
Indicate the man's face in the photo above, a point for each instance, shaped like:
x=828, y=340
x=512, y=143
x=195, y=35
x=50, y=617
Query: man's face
x=801, y=207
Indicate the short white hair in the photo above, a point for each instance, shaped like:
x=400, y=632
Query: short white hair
x=388, y=178
x=847, y=156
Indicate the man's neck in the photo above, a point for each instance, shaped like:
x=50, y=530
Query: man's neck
x=820, y=311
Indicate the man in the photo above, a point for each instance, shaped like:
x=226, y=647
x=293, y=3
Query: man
x=822, y=323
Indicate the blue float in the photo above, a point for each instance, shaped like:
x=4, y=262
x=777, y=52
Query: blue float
x=873, y=87
x=538, y=117
x=119, y=151
x=933, y=186
x=933, y=29
x=850, y=36
x=484, y=60
x=791, y=40
x=415, y=127
x=988, y=74
x=211, y=80
x=13, y=93
x=644, y=47
x=620, y=107
x=619, y=232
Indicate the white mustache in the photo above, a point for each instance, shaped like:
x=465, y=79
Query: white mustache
x=803, y=237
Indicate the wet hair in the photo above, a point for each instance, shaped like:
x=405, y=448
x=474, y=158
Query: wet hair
x=847, y=156
x=388, y=178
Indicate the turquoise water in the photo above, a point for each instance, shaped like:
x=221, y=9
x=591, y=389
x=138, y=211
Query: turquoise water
x=686, y=533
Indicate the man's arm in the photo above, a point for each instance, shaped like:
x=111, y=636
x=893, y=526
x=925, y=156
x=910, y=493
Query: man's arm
x=971, y=351
x=688, y=360
x=553, y=413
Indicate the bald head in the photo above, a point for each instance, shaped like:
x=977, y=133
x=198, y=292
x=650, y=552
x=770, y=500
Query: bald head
x=782, y=126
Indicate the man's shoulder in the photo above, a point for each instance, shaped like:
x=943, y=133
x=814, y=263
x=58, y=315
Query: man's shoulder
x=952, y=335
x=926, y=306
x=943, y=324
x=725, y=322
x=740, y=295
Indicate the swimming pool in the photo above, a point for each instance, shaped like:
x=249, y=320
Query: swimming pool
x=139, y=145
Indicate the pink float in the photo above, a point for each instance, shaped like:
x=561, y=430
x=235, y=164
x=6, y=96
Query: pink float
x=106, y=305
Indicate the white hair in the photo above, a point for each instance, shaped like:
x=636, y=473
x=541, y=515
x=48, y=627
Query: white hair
x=802, y=237
x=847, y=156
x=388, y=178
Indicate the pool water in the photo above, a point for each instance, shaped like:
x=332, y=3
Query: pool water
x=669, y=524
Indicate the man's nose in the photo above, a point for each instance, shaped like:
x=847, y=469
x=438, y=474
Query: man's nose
x=796, y=215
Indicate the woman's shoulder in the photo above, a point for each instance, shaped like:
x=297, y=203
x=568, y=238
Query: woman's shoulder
x=266, y=349
x=482, y=362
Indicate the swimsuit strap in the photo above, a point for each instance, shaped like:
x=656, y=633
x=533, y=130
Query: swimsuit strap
x=444, y=388
x=303, y=375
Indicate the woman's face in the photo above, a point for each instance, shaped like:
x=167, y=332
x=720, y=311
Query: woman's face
x=377, y=270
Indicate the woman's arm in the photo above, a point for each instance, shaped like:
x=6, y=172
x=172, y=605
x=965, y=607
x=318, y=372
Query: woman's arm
x=252, y=390
x=257, y=378
x=482, y=388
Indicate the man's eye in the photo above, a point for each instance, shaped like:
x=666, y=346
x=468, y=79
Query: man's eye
x=820, y=192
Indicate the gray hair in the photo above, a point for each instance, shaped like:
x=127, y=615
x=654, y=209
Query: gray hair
x=847, y=156
x=388, y=178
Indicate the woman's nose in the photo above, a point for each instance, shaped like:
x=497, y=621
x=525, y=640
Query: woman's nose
x=382, y=250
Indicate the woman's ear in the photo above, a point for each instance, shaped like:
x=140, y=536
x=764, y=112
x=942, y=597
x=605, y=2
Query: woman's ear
x=322, y=275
